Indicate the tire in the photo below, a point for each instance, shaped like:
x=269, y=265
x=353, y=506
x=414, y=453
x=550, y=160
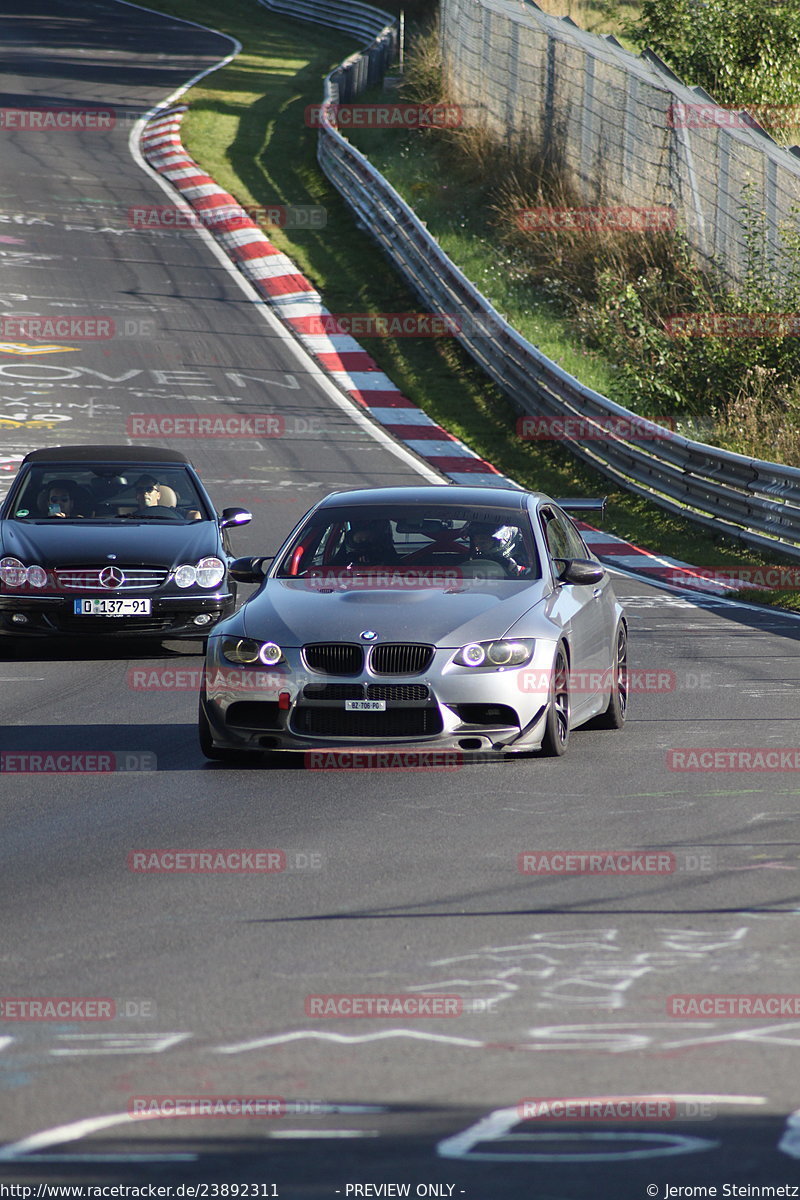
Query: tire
x=556, y=733
x=617, y=709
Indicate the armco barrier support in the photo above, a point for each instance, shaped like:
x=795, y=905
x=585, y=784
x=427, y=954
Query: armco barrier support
x=758, y=502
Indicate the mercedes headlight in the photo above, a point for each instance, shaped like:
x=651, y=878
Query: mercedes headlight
x=208, y=573
x=14, y=573
x=36, y=576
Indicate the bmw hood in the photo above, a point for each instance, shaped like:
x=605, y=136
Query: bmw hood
x=292, y=612
x=85, y=544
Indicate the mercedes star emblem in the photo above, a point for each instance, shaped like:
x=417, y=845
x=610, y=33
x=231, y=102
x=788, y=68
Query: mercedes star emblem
x=111, y=577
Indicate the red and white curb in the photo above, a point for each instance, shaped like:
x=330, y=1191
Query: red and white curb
x=627, y=556
x=294, y=299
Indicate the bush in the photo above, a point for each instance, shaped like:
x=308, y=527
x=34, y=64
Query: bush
x=745, y=53
x=618, y=288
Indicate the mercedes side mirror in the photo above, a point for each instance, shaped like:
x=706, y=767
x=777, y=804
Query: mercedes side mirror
x=234, y=516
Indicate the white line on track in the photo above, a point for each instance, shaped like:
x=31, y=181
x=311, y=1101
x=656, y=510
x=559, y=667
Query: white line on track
x=699, y=599
x=305, y=363
x=496, y=1125
x=73, y=1132
x=323, y=1133
x=348, y=1039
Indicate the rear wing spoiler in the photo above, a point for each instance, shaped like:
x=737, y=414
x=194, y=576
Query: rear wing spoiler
x=575, y=505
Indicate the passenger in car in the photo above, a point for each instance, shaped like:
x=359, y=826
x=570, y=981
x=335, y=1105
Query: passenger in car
x=63, y=498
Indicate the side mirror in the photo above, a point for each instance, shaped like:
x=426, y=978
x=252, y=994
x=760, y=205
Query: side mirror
x=580, y=570
x=234, y=516
x=248, y=570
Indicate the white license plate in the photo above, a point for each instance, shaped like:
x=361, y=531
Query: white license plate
x=109, y=607
x=365, y=705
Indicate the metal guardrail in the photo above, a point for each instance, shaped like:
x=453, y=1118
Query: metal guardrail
x=756, y=501
x=361, y=20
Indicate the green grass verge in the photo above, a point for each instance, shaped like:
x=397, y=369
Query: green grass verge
x=246, y=126
x=780, y=598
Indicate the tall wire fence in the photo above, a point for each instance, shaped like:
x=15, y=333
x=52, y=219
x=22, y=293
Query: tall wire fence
x=626, y=130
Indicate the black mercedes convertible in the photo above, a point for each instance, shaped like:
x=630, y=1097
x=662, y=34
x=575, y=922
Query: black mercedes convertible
x=113, y=540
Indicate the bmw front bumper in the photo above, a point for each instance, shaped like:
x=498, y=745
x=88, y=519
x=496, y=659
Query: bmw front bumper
x=446, y=707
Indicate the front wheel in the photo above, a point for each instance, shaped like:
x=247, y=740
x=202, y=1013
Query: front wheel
x=556, y=733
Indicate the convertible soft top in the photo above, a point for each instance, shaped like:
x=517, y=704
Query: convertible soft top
x=144, y=454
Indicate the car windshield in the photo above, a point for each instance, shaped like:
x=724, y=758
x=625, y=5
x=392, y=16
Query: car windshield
x=473, y=541
x=108, y=492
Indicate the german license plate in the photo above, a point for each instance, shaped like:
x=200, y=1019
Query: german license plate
x=365, y=705
x=107, y=606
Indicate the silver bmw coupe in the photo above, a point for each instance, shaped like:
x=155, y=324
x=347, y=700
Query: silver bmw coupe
x=449, y=618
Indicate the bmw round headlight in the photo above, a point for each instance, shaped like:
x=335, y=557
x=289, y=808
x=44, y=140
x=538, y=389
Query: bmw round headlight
x=240, y=650
x=13, y=573
x=507, y=654
x=36, y=576
x=270, y=654
x=474, y=655
x=185, y=575
x=210, y=572
x=496, y=654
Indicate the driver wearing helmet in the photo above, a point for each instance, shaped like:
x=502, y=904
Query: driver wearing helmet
x=369, y=543
x=498, y=543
